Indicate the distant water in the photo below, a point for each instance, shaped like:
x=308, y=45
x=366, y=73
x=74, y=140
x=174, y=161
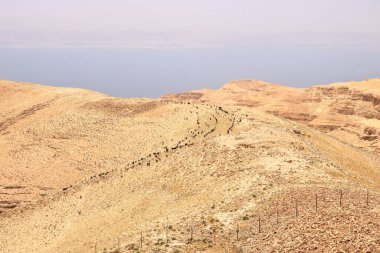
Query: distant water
x=154, y=72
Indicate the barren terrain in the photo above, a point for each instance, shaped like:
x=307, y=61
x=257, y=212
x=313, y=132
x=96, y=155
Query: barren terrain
x=348, y=111
x=194, y=172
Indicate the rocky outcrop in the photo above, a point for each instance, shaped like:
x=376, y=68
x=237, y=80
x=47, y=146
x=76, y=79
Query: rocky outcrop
x=188, y=96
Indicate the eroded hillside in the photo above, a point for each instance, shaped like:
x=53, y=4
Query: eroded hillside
x=158, y=176
x=349, y=111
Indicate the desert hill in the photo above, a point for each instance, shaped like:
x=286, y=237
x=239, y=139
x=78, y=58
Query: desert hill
x=85, y=172
x=348, y=111
x=51, y=137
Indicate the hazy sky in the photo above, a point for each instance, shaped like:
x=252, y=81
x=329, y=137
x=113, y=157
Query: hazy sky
x=148, y=48
x=179, y=23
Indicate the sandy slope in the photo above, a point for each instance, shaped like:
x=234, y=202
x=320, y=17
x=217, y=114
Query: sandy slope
x=50, y=138
x=166, y=169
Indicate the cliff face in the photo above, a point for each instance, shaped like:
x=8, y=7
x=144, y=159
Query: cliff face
x=349, y=111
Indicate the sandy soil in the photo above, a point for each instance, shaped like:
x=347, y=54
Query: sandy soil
x=83, y=172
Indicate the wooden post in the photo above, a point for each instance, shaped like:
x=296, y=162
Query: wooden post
x=166, y=229
x=367, y=198
x=259, y=224
x=141, y=239
x=277, y=217
x=296, y=208
x=237, y=231
x=316, y=202
x=340, y=197
x=166, y=233
x=191, y=234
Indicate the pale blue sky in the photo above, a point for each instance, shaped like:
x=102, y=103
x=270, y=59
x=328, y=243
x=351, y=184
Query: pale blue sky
x=179, y=23
x=134, y=48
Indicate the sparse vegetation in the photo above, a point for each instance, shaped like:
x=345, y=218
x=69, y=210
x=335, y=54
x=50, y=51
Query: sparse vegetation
x=116, y=172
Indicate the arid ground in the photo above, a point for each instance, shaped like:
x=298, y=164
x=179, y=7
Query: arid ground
x=251, y=167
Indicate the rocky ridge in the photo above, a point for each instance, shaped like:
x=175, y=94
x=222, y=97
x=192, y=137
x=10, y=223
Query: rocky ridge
x=348, y=111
